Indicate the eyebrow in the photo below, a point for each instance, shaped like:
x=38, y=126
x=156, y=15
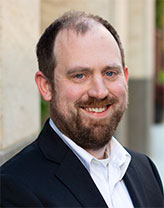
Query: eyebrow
x=80, y=69
x=114, y=66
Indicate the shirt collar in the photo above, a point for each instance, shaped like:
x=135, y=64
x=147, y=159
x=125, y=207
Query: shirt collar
x=118, y=156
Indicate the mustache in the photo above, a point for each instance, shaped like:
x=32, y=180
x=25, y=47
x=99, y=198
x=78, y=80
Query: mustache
x=94, y=102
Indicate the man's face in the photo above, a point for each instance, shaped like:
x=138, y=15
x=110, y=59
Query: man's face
x=89, y=95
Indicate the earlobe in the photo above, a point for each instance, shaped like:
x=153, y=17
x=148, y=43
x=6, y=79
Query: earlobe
x=126, y=71
x=44, y=85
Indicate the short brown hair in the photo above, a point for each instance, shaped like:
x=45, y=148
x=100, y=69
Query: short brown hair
x=75, y=20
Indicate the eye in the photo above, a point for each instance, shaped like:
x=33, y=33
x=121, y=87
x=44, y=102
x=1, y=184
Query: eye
x=79, y=76
x=110, y=73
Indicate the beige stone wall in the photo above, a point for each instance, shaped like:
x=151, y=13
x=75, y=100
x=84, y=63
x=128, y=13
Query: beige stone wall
x=19, y=98
x=51, y=9
x=141, y=37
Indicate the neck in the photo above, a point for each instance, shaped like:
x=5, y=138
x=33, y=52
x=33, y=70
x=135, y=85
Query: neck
x=100, y=154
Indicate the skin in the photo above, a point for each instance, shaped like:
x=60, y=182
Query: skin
x=88, y=78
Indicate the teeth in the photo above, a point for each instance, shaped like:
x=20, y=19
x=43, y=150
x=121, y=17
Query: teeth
x=96, y=110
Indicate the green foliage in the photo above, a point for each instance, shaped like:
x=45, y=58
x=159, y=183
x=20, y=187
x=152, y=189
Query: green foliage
x=161, y=77
x=160, y=13
x=44, y=111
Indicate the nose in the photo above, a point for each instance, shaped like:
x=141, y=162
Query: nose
x=98, y=89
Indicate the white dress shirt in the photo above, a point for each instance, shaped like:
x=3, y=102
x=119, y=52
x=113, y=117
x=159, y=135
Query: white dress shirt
x=108, y=173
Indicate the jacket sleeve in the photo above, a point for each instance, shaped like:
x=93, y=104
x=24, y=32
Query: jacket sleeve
x=15, y=194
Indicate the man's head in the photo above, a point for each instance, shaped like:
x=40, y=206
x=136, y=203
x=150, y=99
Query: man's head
x=87, y=88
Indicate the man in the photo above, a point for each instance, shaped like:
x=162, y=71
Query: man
x=76, y=161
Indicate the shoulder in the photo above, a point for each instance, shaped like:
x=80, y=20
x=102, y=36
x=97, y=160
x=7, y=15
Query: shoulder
x=15, y=174
x=28, y=159
x=24, y=164
x=145, y=168
x=141, y=160
x=22, y=160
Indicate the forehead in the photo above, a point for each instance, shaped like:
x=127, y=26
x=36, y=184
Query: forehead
x=94, y=30
x=97, y=40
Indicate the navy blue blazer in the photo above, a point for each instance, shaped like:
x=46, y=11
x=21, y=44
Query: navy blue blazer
x=48, y=174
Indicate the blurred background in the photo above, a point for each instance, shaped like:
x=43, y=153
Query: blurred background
x=140, y=24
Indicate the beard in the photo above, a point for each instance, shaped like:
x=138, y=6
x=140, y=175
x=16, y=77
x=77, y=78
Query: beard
x=90, y=134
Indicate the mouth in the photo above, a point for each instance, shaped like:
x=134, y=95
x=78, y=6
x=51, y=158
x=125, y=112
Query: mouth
x=96, y=109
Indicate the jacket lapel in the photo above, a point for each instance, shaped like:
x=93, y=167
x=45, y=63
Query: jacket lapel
x=135, y=188
x=75, y=176
x=71, y=171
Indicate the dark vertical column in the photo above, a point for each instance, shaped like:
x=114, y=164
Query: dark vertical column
x=140, y=114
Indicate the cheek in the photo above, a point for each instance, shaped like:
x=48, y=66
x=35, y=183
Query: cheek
x=119, y=90
x=67, y=99
x=71, y=93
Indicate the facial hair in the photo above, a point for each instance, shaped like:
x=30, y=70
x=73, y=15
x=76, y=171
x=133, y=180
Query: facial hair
x=88, y=133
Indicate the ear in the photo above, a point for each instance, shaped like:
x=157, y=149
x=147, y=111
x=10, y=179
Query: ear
x=44, y=85
x=126, y=71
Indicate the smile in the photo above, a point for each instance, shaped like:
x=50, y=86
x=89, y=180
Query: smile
x=96, y=110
